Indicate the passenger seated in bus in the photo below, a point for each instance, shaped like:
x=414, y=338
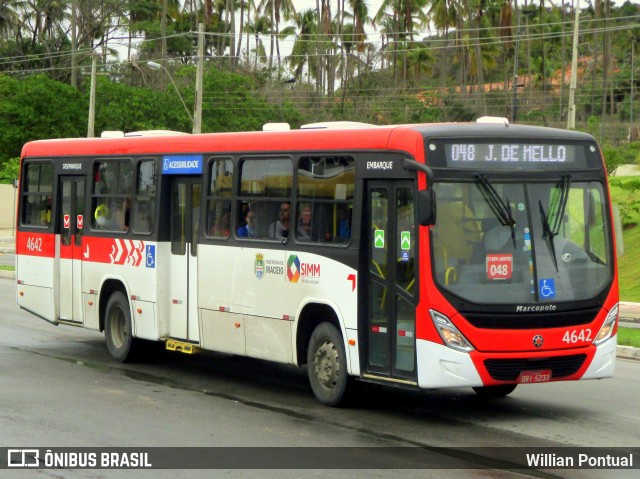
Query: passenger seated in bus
x=344, y=226
x=280, y=228
x=249, y=229
x=303, y=231
x=45, y=214
x=121, y=216
x=223, y=227
x=102, y=215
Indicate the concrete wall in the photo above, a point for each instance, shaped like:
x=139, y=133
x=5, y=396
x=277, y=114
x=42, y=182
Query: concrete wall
x=8, y=203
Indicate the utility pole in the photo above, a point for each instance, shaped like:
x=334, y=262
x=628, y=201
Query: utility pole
x=571, y=116
x=92, y=96
x=197, y=109
x=633, y=48
x=74, y=45
x=514, y=101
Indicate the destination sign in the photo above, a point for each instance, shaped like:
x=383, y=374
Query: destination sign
x=514, y=155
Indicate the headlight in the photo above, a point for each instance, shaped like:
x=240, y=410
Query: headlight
x=609, y=324
x=449, y=333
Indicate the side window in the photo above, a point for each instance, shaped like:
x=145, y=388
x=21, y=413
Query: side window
x=325, y=199
x=144, y=206
x=264, y=209
x=37, y=194
x=111, y=199
x=219, y=199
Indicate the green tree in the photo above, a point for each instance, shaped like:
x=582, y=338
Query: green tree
x=9, y=170
x=38, y=108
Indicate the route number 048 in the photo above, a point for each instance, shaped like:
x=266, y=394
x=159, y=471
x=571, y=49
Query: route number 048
x=575, y=336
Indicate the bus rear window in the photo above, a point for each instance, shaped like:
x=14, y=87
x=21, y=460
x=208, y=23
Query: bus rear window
x=37, y=194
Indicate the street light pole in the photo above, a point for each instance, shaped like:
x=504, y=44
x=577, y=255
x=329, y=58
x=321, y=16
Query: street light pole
x=158, y=66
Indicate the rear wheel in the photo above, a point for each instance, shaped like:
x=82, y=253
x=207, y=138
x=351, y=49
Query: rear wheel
x=118, y=332
x=327, y=365
x=495, y=392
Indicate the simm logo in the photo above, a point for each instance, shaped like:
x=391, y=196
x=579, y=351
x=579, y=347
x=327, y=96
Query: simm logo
x=298, y=271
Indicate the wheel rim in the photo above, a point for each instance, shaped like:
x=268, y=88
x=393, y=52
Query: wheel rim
x=326, y=365
x=118, y=328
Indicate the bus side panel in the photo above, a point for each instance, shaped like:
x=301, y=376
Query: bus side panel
x=269, y=288
x=268, y=338
x=223, y=332
x=37, y=300
x=124, y=261
x=35, y=274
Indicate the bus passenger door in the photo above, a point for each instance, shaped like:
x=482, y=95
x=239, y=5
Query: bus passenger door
x=185, y=219
x=69, y=248
x=389, y=313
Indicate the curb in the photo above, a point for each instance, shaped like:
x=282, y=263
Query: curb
x=7, y=274
x=628, y=352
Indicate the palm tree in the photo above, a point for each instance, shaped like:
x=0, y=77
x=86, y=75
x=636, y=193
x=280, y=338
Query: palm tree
x=260, y=25
x=9, y=18
x=443, y=14
x=479, y=67
x=243, y=4
x=409, y=15
x=303, y=51
x=276, y=10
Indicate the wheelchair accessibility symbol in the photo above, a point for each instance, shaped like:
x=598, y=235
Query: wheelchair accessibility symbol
x=150, y=255
x=547, y=288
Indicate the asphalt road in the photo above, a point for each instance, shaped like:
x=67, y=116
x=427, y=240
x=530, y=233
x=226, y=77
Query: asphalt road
x=59, y=388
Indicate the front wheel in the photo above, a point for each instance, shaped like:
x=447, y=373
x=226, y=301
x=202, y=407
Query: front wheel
x=118, y=332
x=495, y=392
x=327, y=365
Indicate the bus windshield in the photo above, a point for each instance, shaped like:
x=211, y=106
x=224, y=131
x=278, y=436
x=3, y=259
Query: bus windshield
x=513, y=243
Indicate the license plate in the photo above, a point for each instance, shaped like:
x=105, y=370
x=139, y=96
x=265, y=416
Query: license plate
x=527, y=377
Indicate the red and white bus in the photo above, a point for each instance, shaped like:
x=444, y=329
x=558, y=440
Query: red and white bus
x=424, y=256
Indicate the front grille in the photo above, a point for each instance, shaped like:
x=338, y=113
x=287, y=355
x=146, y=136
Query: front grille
x=510, y=369
x=555, y=319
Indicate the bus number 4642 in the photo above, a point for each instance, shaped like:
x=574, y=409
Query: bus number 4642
x=34, y=244
x=575, y=336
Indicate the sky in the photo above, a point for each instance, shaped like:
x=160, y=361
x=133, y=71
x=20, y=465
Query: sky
x=373, y=5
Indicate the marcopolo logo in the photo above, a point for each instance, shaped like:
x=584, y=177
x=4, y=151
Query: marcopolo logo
x=299, y=271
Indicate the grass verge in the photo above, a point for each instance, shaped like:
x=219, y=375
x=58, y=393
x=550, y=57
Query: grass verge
x=628, y=270
x=629, y=337
x=4, y=267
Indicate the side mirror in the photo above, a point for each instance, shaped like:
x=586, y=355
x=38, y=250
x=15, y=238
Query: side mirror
x=427, y=207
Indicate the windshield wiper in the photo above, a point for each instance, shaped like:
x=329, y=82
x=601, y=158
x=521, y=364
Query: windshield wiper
x=551, y=229
x=500, y=207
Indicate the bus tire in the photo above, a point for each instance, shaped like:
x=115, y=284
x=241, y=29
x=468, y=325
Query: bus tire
x=327, y=365
x=495, y=392
x=118, y=331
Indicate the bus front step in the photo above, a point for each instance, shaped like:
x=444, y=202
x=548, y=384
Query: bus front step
x=182, y=346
